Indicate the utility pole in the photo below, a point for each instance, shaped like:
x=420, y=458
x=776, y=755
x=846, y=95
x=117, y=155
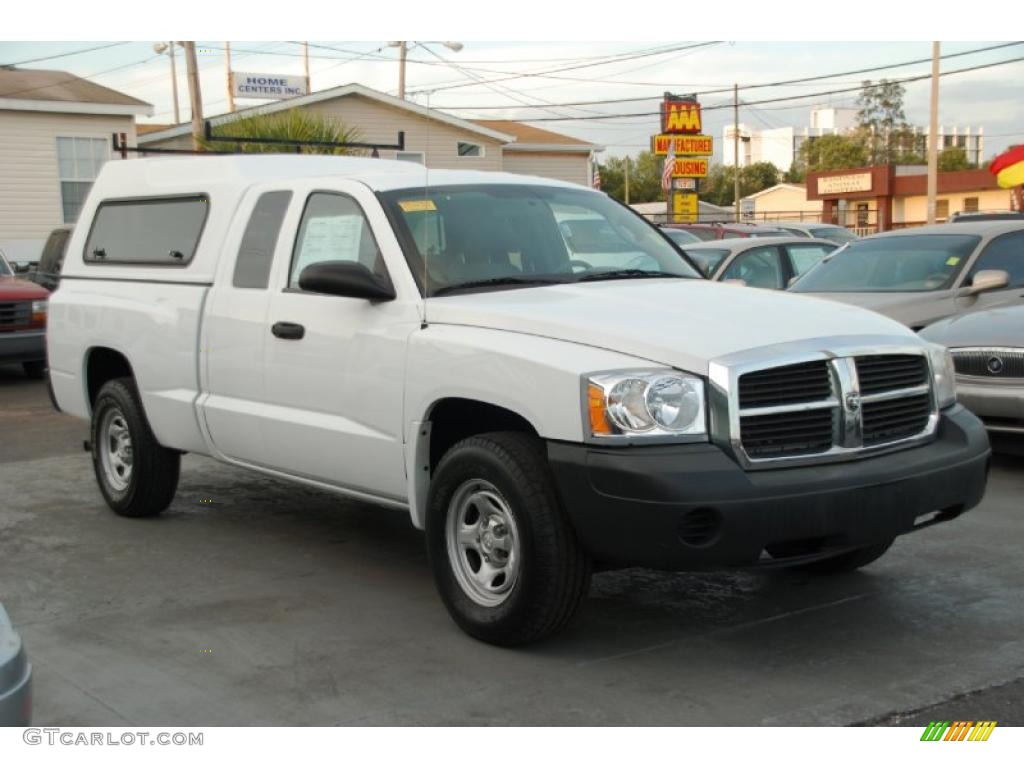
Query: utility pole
x=227, y=72
x=736, y=146
x=627, y=179
x=933, y=138
x=174, y=79
x=403, y=49
x=305, y=61
x=194, y=94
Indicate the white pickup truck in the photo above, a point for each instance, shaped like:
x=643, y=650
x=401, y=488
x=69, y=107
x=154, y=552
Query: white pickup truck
x=428, y=340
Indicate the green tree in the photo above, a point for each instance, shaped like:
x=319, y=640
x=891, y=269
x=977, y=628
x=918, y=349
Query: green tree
x=719, y=188
x=833, y=152
x=293, y=125
x=644, y=178
x=954, y=159
x=882, y=122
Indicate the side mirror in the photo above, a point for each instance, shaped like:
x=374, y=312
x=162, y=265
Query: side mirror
x=988, y=280
x=345, y=278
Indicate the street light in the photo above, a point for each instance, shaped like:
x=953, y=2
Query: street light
x=159, y=48
x=403, y=48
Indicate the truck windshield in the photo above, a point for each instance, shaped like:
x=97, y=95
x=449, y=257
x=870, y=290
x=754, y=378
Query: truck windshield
x=891, y=264
x=501, y=236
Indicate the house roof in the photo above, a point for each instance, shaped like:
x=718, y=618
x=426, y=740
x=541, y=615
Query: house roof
x=333, y=93
x=51, y=90
x=142, y=128
x=529, y=137
x=763, y=192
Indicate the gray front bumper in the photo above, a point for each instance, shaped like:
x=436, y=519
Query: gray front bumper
x=22, y=346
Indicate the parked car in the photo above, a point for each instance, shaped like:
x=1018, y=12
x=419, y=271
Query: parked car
x=763, y=262
x=723, y=231
x=968, y=216
x=833, y=232
x=988, y=352
x=15, y=676
x=429, y=343
x=47, y=271
x=680, y=237
x=921, y=275
x=22, y=322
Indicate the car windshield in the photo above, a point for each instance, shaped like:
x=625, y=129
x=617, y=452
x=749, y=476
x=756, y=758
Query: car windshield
x=835, y=234
x=491, y=236
x=894, y=264
x=707, y=259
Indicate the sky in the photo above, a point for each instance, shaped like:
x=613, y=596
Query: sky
x=450, y=80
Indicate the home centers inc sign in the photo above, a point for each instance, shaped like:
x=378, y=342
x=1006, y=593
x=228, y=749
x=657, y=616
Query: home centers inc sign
x=255, y=85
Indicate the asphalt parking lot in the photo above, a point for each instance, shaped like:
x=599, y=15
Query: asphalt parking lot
x=252, y=601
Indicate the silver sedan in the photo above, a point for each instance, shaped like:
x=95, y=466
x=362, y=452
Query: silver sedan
x=988, y=353
x=762, y=262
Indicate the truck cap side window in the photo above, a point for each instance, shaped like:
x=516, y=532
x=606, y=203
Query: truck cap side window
x=334, y=228
x=162, y=231
x=256, y=251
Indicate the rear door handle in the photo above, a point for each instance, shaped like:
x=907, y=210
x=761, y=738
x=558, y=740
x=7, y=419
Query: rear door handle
x=288, y=330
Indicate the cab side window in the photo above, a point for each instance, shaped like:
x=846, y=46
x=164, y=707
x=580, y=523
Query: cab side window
x=334, y=228
x=758, y=268
x=1005, y=252
x=256, y=252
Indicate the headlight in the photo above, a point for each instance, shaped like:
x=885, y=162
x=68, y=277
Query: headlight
x=647, y=404
x=39, y=311
x=944, y=373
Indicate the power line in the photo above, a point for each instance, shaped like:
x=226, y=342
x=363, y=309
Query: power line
x=725, y=105
x=72, y=79
x=63, y=55
x=780, y=83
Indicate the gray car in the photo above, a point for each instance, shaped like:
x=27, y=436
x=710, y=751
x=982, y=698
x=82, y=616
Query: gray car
x=921, y=275
x=762, y=262
x=15, y=677
x=988, y=353
x=835, y=233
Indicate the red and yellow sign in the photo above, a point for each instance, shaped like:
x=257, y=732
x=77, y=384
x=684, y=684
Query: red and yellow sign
x=680, y=116
x=690, y=168
x=683, y=144
x=684, y=207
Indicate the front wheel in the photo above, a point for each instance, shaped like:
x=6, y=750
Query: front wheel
x=505, y=559
x=137, y=475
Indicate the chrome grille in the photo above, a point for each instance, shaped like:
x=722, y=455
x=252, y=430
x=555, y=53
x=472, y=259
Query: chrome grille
x=15, y=315
x=989, y=362
x=833, y=407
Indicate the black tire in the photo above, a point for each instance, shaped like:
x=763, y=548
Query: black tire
x=553, y=570
x=153, y=477
x=36, y=369
x=846, y=562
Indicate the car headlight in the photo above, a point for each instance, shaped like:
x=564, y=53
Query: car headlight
x=944, y=375
x=645, y=404
x=39, y=311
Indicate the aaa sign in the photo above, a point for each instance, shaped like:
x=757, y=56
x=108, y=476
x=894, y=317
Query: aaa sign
x=680, y=117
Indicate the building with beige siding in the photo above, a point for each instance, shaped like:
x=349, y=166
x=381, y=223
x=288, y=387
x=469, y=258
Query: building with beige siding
x=434, y=138
x=55, y=134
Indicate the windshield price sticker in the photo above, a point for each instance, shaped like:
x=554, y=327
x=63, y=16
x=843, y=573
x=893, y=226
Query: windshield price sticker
x=417, y=206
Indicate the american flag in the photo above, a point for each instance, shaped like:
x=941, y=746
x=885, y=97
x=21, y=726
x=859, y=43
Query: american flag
x=670, y=164
x=597, y=177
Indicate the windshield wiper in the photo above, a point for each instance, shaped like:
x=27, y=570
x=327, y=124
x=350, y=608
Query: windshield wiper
x=508, y=280
x=619, y=274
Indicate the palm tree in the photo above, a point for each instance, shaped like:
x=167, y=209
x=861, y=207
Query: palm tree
x=292, y=125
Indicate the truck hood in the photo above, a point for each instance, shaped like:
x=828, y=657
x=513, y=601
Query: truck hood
x=680, y=323
x=14, y=289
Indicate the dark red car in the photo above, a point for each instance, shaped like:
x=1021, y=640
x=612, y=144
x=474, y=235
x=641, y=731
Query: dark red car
x=724, y=231
x=22, y=322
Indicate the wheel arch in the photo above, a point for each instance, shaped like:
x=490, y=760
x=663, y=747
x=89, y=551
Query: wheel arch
x=102, y=364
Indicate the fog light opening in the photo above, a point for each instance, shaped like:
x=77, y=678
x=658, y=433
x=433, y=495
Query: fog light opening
x=700, y=527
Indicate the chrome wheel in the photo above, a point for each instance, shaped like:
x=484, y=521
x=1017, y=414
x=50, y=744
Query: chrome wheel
x=483, y=543
x=115, y=449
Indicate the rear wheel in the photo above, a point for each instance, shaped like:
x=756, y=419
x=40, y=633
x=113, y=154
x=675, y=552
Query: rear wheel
x=505, y=559
x=137, y=476
x=35, y=369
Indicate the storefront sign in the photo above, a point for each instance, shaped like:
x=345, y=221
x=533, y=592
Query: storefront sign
x=253, y=85
x=684, y=207
x=680, y=116
x=682, y=144
x=849, y=182
x=690, y=167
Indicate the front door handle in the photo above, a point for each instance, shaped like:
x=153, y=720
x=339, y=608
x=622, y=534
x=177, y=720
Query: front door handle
x=288, y=330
